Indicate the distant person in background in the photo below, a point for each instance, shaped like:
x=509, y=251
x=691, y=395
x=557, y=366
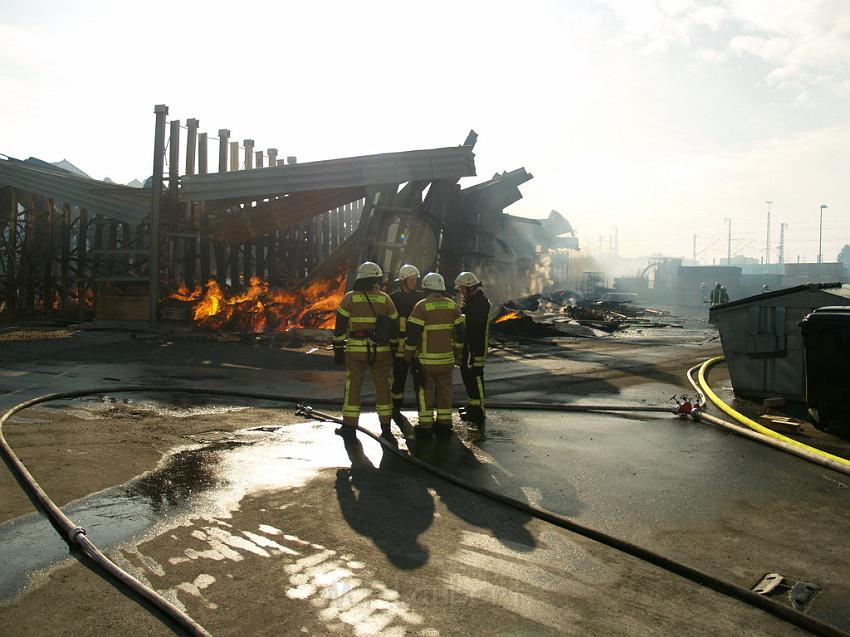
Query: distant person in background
x=764, y=288
x=724, y=295
x=715, y=294
x=702, y=293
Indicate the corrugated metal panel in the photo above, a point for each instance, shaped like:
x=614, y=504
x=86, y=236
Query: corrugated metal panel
x=257, y=221
x=122, y=203
x=387, y=168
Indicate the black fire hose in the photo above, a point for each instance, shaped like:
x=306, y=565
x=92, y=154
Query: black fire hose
x=729, y=589
x=76, y=535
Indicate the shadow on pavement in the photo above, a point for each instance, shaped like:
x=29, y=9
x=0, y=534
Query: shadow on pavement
x=452, y=455
x=386, y=504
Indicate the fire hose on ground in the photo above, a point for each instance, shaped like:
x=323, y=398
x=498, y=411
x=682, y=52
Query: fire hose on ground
x=77, y=536
x=755, y=431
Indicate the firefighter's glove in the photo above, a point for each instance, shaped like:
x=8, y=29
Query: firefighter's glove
x=339, y=357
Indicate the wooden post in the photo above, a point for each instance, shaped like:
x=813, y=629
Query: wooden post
x=11, y=257
x=202, y=213
x=82, y=232
x=112, y=244
x=98, y=245
x=326, y=236
x=300, y=243
x=235, y=251
x=66, y=253
x=223, y=136
x=190, y=247
x=221, y=255
x=161, y=111
x=203, y=149
x=249, y=247
x=249, y=154
x=173, y=173
x=47, y=289
x=174, y=216
x=235, y=272
x=28, y=251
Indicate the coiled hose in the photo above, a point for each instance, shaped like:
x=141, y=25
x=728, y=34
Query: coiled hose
x=76, y=535
x=758, y=432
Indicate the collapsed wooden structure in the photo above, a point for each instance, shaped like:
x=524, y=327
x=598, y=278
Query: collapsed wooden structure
x=65, y=237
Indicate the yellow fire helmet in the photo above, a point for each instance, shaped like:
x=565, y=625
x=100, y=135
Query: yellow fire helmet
x=408, y=271
x=466, y=280
x=369, y=270
x=434, y=281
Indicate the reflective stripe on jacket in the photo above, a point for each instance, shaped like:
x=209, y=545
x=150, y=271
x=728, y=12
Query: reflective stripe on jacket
x=404, y=301
x=355, y=315
x=435, y=331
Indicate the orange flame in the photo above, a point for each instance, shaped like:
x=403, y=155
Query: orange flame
x=183, y=293
x=261, y=309
x=509, y=316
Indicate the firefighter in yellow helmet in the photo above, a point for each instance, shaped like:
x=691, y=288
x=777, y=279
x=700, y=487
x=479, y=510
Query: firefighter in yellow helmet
x=365, y=336
x=404, y=299
x=435, y=336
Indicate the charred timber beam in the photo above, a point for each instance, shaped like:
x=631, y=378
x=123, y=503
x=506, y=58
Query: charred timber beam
x=250, y=222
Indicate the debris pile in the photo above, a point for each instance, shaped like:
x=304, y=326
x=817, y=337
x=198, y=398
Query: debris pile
x=568, y=313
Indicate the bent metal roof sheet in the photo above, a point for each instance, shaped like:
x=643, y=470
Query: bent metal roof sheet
x=368, y=170
x=113, y=201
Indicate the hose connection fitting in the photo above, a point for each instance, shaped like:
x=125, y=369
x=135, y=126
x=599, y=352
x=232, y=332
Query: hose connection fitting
x=73, y=533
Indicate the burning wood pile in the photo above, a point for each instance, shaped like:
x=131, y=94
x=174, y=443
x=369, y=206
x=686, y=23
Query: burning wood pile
x=567, y=313
x=262, y=309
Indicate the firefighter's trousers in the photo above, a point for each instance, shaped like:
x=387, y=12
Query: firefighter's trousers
x=401, y=369
x=356, y=368
x=473, y=380
x=436, y=391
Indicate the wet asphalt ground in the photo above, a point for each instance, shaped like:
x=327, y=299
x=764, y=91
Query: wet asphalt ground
x=274, y=526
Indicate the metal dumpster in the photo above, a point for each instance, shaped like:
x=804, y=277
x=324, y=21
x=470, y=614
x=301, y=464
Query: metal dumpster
x=826, y=346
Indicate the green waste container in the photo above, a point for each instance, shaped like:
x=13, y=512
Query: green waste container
x=826, y=347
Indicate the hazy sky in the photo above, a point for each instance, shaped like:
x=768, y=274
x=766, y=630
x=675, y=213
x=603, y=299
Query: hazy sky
x=659, y=118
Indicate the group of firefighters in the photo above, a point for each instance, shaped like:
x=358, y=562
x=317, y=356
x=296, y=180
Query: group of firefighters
x=423, y=333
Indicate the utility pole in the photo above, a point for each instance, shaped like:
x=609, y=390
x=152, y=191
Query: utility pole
x=728, y=221
x=782, y=227
x=694, y=259
x=820, y=235
x=767, y=242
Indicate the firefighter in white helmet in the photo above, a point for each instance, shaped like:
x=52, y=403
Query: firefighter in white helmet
x=476, y=310
x=404, y=299
x=365, y=336
x=435, y=336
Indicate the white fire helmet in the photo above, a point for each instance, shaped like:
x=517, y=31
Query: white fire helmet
x=368, y=270
x=408, y=271
x=434, y=281
x=466, y=280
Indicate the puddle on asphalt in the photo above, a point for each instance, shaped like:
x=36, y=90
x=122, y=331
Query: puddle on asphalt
x=177, y=406
x=207, y=481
